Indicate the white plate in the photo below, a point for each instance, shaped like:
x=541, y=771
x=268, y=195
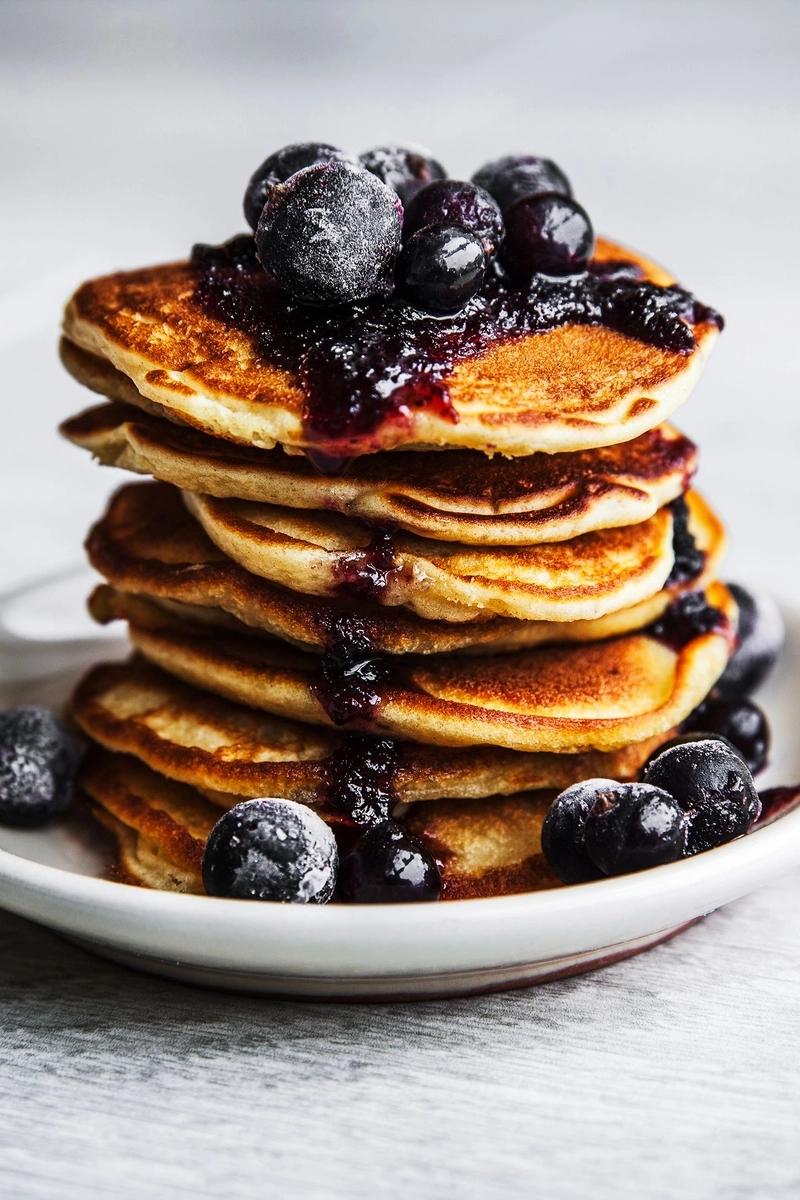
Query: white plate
x=54, y=875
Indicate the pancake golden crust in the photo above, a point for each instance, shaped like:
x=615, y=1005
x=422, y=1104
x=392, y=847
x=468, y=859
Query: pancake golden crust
x=563, y=699
x=461, y=496
x=326, y=554
x=147, y=543
x=483, y=847
x=490, y=847
x=230, y=752
x=568, y=389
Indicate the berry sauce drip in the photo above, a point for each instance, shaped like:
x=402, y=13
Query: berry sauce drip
x=351, y=674
x=776, y=802
x=686, y=618
x=689, y=561
x=373, y=362
x=361, y=779
x=368, y=574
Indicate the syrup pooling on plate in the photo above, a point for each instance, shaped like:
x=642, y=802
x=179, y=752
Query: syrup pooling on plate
x=365, y=364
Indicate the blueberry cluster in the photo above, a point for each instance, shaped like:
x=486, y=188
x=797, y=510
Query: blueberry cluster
x=696, y=791
x=333, y=229
x=278, y=850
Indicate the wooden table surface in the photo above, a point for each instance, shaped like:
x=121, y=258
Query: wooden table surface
x=128, y=131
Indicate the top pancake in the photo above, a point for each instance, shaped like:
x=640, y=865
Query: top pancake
x=462, y=496
x=567, y=389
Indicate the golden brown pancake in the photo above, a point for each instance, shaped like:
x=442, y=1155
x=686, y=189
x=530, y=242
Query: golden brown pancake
x=483, y=847
x=563, y=699
x=147, y=543
x=326, y=554
x=568, y=389
x=229, y=752
x=462, y=496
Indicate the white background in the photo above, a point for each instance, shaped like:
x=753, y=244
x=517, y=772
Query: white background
x=128, y=131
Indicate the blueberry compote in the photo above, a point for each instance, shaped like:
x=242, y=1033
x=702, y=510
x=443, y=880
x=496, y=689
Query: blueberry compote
x=689, y=561
x=371, y=363
x=686, y=618
x=367, y=574
x=361, y=779
x=351, y=674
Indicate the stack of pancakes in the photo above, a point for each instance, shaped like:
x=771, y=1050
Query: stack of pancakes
x=494, y=602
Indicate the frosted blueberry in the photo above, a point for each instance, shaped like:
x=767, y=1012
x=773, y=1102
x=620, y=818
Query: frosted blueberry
x=280, y=166
x=271, y=850
x=634, y=827
x=563, y=829
x=330, y=234
x=38, y=760
x=405, y=169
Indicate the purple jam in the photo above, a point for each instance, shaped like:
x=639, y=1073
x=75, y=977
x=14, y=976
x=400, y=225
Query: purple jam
x=351, y=674
x=688, y=617
x=361, y=779
x=776, y=802
x=368, y=574
x=689, y=560
x=371, y=363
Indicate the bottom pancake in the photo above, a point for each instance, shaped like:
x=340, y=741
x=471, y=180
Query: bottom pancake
x=230, y=752
x=488, y=847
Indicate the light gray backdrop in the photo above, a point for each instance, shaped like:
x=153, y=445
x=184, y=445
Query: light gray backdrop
x=128, y=130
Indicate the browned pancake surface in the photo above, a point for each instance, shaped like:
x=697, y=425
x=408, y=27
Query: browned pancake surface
x=567, y=389
x=564, y=699
x=147, y=543
x=231, y=752
x=460, y=496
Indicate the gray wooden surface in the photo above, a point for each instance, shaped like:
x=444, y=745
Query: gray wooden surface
x=127, y=131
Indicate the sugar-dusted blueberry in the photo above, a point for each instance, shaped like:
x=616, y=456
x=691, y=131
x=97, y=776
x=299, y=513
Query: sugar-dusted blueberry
x=548, y=234
x=634, y=827
x=761, y=636
x=563, y=828
x=271, y=850
x=388, y=866
x=280, y=166
x=713, y=787
x=405, y=169
x=683, y=739
x=38, y=760
x=517, y=175
x=739, y=721
x=330, y=234
x=453, y=202
x=440, y=268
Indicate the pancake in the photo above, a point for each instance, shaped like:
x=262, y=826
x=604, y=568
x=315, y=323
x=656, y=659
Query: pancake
x=563, y=699
x=326, y=554
x=483, y=847
x=148, y=544
x=570, y=388
x=462, y=496
x=229, y=752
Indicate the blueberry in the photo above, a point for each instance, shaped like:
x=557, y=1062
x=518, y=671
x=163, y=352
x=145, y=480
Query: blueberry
x=451, y=202
x=440, y=268
x=388, y=866
x=548, y=234
x=562, y=832
x=280, y=166
x=760, y=636
x=739, y=721
x=271, y=850
x=634, y=827
x=517, y=175
x=330, y=234
x=683, y=739
x=713, y=787
x=405, y=169
x=38, y=760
